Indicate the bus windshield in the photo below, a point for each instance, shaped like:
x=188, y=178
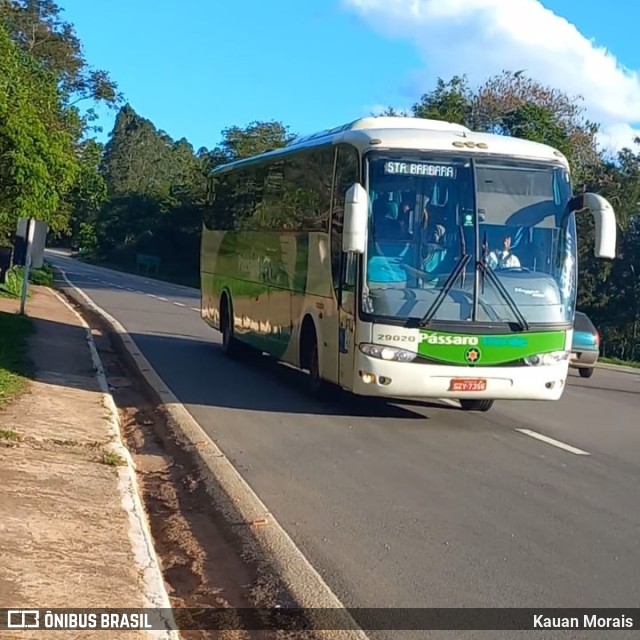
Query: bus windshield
x=450, y=241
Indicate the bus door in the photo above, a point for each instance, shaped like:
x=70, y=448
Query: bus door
x=347, y=320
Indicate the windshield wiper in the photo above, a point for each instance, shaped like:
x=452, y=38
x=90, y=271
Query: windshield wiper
x=524, y=325
x=448, y=285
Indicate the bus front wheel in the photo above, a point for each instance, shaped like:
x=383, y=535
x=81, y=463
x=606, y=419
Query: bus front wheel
x=315, y=381
x=310, y=359
x=476, y=405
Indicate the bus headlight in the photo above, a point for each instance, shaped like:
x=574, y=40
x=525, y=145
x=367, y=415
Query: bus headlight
x=543, y=359
x=387, y=353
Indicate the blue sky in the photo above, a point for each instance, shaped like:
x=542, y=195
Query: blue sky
x=198, y=66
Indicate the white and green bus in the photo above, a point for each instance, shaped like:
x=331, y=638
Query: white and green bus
x=402, y=258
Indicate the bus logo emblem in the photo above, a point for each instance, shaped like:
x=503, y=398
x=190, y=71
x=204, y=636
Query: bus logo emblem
x=472, y=355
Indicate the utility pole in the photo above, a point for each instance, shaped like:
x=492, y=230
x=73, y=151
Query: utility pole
x=635, y=316
x=27, y=265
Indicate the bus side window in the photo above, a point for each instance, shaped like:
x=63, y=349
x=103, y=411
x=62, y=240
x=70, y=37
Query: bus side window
x=347, y=172
x=272, y=214
x=219, y=211
x=246, y=187
x=307, y=179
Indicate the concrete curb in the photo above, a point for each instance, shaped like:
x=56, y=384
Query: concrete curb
x=155, y=595
x=263, y=539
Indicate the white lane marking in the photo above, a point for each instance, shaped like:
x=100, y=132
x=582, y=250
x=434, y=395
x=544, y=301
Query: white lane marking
x=151, y=295
x=194, y=309
x=555, y=443
x=129, y=289
x=163, y=299
x=179, y=304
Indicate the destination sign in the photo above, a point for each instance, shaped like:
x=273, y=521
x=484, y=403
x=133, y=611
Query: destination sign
x=420, y=169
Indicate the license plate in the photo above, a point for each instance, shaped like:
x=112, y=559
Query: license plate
x=465, y=384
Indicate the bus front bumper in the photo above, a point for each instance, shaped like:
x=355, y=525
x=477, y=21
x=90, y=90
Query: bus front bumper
x=389, y=379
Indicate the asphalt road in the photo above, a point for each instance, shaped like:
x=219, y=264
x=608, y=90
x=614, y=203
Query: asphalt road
x=417, y=505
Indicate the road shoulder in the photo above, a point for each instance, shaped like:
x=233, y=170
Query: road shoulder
x=72, y=536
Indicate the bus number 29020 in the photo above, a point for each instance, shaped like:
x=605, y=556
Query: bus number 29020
x=385, y=337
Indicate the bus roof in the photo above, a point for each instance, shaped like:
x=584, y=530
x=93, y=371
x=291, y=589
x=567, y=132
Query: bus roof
x=410, y=134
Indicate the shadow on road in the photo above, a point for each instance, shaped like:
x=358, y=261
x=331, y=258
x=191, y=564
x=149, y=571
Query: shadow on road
x=199, y=373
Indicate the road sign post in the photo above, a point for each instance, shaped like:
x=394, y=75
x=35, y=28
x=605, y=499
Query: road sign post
x=32, y=234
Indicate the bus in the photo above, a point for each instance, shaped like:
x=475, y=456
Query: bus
x=402, y=258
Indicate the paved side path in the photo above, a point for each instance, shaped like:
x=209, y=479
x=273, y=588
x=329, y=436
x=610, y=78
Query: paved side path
x=66, y=537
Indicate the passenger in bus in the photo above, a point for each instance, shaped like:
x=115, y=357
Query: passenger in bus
x=385, y=226
x=432, y=240
x=433, y=227
x=404, y=217
x=503, y=258
x=386, y=254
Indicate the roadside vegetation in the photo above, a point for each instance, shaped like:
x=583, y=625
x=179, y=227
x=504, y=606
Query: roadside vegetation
x=14, y=279
x=15, y=365
x=143, y=193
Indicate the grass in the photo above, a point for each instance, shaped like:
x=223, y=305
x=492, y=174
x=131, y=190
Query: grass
x=618, y=361
x=9, y=435
x=12, y=287
x=15, y=366
x=113, y=459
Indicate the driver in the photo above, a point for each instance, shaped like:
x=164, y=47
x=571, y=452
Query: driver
x=503, y=259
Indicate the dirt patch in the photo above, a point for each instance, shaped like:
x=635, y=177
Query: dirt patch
x=198, y=551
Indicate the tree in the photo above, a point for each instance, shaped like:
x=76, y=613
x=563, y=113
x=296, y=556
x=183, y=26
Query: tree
x=87, y=195
x=513, y=104
x=255, y=138
x=138, y=158
x=38, y=28
x=393, y=112
x=451, y=101
x=37, y=159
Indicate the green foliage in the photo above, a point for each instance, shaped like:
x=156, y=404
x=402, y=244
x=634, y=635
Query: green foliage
x=87, y=194
x=37, y=160
x=256, y=138
x=14, y=279
x=54, y=172
x=157, y=191
x=38, y=28
x=12, y=286
x=15, y=366
x=451, y=101
x=43, y=276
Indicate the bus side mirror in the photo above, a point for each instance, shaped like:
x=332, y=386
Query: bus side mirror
x=356, y=218
x=605, y=221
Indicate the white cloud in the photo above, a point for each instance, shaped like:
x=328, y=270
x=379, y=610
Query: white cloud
x=482, y=37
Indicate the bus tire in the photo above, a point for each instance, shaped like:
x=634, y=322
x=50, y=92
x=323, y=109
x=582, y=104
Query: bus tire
x=476, y=405
x=230, y=346
x=309, y=358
